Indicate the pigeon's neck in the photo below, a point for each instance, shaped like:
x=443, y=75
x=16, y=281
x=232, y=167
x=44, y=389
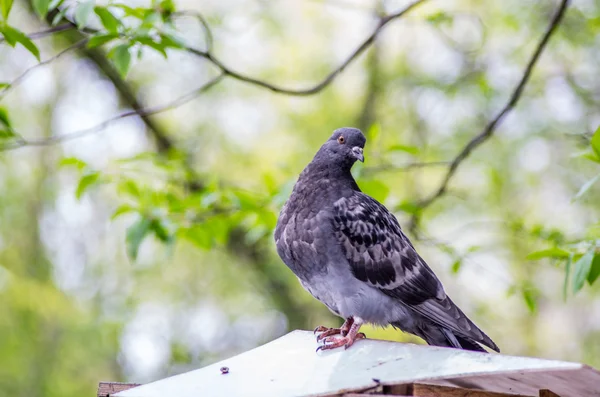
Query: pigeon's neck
x=327, y=174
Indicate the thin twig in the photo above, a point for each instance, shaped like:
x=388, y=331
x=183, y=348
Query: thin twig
x=489, y=129
x=208, y=36
x=99, y=127
x=23, y=75
x=328, y=79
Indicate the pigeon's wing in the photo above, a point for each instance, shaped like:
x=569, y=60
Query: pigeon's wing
x=381, y=255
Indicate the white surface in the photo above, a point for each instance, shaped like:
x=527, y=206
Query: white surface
x=289, y=367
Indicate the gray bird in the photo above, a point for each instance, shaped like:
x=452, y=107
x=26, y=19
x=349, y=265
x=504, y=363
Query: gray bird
x=350, y=253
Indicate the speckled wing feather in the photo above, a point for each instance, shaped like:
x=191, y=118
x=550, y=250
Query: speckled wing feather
x=381, y=255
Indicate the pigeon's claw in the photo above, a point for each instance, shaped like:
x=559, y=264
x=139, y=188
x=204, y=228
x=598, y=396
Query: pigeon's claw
x=348, y=335
x=320, y=328
x=333, y=342
x=327, y=333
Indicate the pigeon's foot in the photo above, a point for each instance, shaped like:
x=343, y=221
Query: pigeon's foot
x=333, y=342
x=349, y=335
x=324, y=332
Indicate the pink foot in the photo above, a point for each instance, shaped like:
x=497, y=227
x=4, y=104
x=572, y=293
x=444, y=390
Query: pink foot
x=333, y=342
x=348, y=331
x=325, y=332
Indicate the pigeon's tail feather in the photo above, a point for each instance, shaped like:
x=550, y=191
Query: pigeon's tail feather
x=470, y=345
x=449, y=320
x=435, y=335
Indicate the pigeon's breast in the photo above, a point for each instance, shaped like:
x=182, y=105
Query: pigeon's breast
x=346, y=296
x=305, y=242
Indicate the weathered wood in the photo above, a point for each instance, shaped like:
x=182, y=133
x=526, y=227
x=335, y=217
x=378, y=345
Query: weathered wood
x=548, y=393
x=107, y=389
x=579, y=382
x=423, y=390
x=396, y=390
x=369, y=395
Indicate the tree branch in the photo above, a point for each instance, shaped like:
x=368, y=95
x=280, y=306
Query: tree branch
x=141, y=112
x=163, y=142
x=490, y=128
x=23, y=75
x=208, y=55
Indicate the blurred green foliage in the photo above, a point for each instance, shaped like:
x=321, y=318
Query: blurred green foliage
x=131, y=250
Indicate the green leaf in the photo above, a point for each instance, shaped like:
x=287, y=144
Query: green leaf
x=151, y=19
x=582, y=269
x=55, y=3
x=147, y=41
x=59, y=16
x=439, y=18
x=4, y=86
x=167, y=6
x=548, y=253
x=109, y=21
x=130, y=188
x=83, y=12
x=100, y=39
x=590, y=155
x=530, y=295
x=85, y=182
x=4, y=120
x=122, y=58
x=404, y=148
x=594, y=270
x=456, y=266
x=171, y=41
x=595, y=142
x=135, y=235
x=199, y=235
x=14, y=36
x=129, y=11
x=160, y=231
x=41, y=7
x=122, y=209
x=567, y=274
x=5, y=6
x=586, y=187
x=6, y=133
x=72, y=162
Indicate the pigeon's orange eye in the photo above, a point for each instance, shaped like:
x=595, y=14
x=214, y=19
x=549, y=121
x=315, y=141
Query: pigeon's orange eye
x=341, y=139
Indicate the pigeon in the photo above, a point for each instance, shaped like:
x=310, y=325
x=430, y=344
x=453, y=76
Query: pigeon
x=350, y=253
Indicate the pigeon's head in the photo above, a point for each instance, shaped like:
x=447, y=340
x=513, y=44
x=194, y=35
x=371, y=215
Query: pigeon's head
x=344, y=147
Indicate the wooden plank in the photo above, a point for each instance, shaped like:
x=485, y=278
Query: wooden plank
x=106, y=389
x=423, y=390
x=548, y=393
x=367, y=395
x=581, y=382
x=396, y=390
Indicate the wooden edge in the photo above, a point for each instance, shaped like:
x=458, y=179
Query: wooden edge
x=547, y=393
x=367, y=395
x=107, y=389
x=424, y=390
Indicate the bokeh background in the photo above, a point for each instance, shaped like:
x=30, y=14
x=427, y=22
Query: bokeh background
x=143, y=247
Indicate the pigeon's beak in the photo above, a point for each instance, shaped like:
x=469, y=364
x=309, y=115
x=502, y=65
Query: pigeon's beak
x=358, y=153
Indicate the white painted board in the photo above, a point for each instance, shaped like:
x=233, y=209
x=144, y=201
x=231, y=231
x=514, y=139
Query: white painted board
x=289, y=366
